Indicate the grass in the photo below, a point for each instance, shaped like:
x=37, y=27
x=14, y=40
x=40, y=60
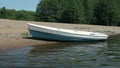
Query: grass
x=25, y=34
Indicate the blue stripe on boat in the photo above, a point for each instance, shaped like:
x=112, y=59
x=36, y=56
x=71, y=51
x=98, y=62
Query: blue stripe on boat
x=57, y=37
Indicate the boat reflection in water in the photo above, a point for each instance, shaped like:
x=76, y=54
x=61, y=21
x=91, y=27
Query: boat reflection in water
x=65, y=55
x=69, y=54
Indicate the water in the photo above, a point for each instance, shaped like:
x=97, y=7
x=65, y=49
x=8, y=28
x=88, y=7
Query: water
x=65, y=55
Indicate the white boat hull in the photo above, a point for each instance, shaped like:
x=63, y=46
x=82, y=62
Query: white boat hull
x=57, y=34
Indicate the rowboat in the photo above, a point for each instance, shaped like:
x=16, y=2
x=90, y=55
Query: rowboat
x=59, y=34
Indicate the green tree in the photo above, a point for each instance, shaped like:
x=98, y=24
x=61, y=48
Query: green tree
x=71, y=13
x=81, y=11
x=11, y=14
x=89, y=10
x=25, y=15
x=48, y=10
x=115, y=13
x=107, y=12
x=17, y=15
x=56, y=10
x=100, y=12
x=3, y=12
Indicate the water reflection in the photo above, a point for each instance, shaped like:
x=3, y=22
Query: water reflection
x=65, y=55
x=115, y=39
x=70, y=54
x=56, y=47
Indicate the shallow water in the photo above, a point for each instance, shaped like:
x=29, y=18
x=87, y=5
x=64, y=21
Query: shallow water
x=65, y=55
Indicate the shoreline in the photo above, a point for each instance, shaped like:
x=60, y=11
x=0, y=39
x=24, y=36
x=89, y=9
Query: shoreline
x=12, y=32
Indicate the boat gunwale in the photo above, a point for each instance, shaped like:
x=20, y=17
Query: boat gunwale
x=58, y=29
x=61, y=29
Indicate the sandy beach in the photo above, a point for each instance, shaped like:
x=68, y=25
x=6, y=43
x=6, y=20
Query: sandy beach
x=14, y=33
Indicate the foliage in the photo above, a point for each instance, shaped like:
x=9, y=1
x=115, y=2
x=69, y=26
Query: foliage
x=25, y=15
x=100, y=12
x=16, y=15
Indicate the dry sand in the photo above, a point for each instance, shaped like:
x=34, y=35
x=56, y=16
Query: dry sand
x=13, y=32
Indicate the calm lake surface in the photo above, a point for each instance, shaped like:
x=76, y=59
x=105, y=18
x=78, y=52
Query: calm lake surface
x=65, y=55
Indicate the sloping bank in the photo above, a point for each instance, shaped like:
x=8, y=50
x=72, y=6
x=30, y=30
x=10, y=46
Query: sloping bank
x=14, y=33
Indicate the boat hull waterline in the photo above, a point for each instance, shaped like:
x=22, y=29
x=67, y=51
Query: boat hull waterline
x=57, y=34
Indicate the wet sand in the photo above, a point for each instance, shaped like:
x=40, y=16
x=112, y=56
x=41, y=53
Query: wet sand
x=14, y=33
